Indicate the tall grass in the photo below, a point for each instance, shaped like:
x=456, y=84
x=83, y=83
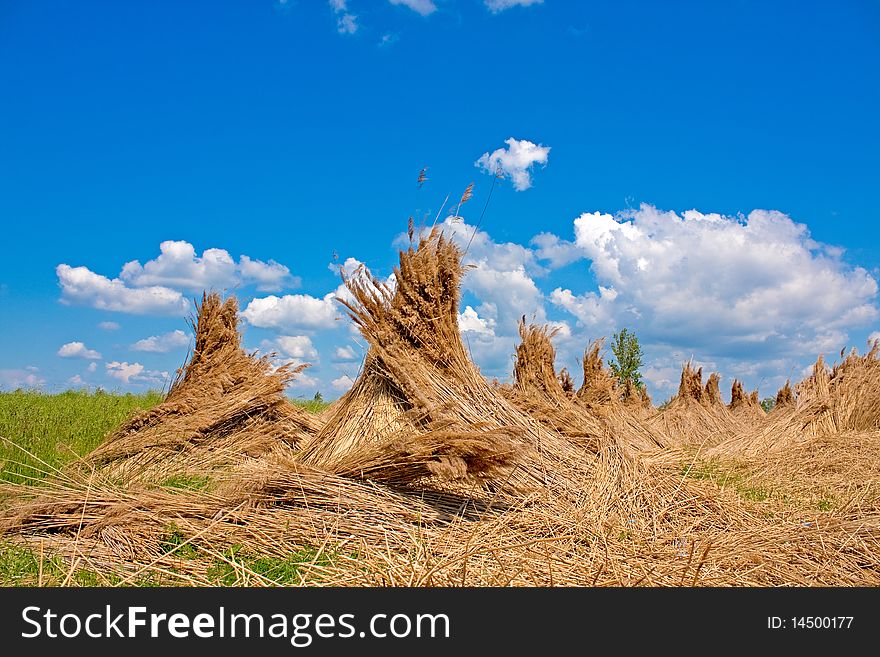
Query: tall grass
x=58, y=428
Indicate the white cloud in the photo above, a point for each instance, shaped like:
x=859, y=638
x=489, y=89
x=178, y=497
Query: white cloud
x=496, y=6
x=470, y=322
x=267, y=276
x=515, y=162
x=423, y=7
x=305, y=382
x=293, y=311
x=346, y=22
x=874, y=337
x=297, y=347
x=92, y=367
x=26, y=378
x=305, y=312
x=123, y=371
x=346, y=354
x=388, y=40
x=500, y=276
x=76, y=380
x=178, y=266
x=155, y=287
x=342, y=383
x=135, y=373
x=108, y=326
x=558, y=252
x=81, y=286
x=492, y=353
x=164, y=343
x=78, y=350
x=725, y=285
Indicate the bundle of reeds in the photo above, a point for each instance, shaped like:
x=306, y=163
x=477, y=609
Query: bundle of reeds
x=225, y=403
x=745, y=408
x=696, y=415
x=595, y=415
x=845, y=399
x=420, y=407
x=637, y=400
x=598, y=389
x=538, y=391
x=784, y=398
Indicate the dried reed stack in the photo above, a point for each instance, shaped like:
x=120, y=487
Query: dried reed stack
x=596, y=416
x=599, y=389
x=696, y=415
x=745, y=407
x=538, y=391
x=637, y=400
x=712, y=391
x=626, y=410
x=225, y=404
x=845, y=399
x=420, y=408
x=784, y=398
x=533, y=369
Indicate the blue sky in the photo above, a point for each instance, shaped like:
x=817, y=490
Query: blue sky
x=704, y=173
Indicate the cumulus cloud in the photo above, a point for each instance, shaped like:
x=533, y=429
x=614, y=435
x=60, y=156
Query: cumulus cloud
x=496, y=6
x=123, y=371
x=293, y=311
x=515, y=162
x=92, y=367
x=82, y=286
x=874, y=337
x=297, y=347
x=14, y=378
x=342, y=383
x=155, y=288
x=501, y=276
x=306, y=312
x=164, y=343
x=422, y=7
x=557, y=252
x=347, y=24
x=108, y=326
x=346, y=354
x=78, y=350
x=178, y=266
x=303, y=381
x=470, y=322
x=734, y=285
x=130, y=373
x=267, y=276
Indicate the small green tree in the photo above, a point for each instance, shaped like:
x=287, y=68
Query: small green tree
x=628, y=358
x=768, y=403
x=319, y=398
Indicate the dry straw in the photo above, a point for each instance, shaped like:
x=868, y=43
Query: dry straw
x=224, y=404
x=426, y=475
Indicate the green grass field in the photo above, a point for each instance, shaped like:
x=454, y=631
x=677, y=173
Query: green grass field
x=41, y=432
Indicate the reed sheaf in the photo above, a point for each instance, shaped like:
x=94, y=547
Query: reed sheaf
x=224, y=404
x=426, y=474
